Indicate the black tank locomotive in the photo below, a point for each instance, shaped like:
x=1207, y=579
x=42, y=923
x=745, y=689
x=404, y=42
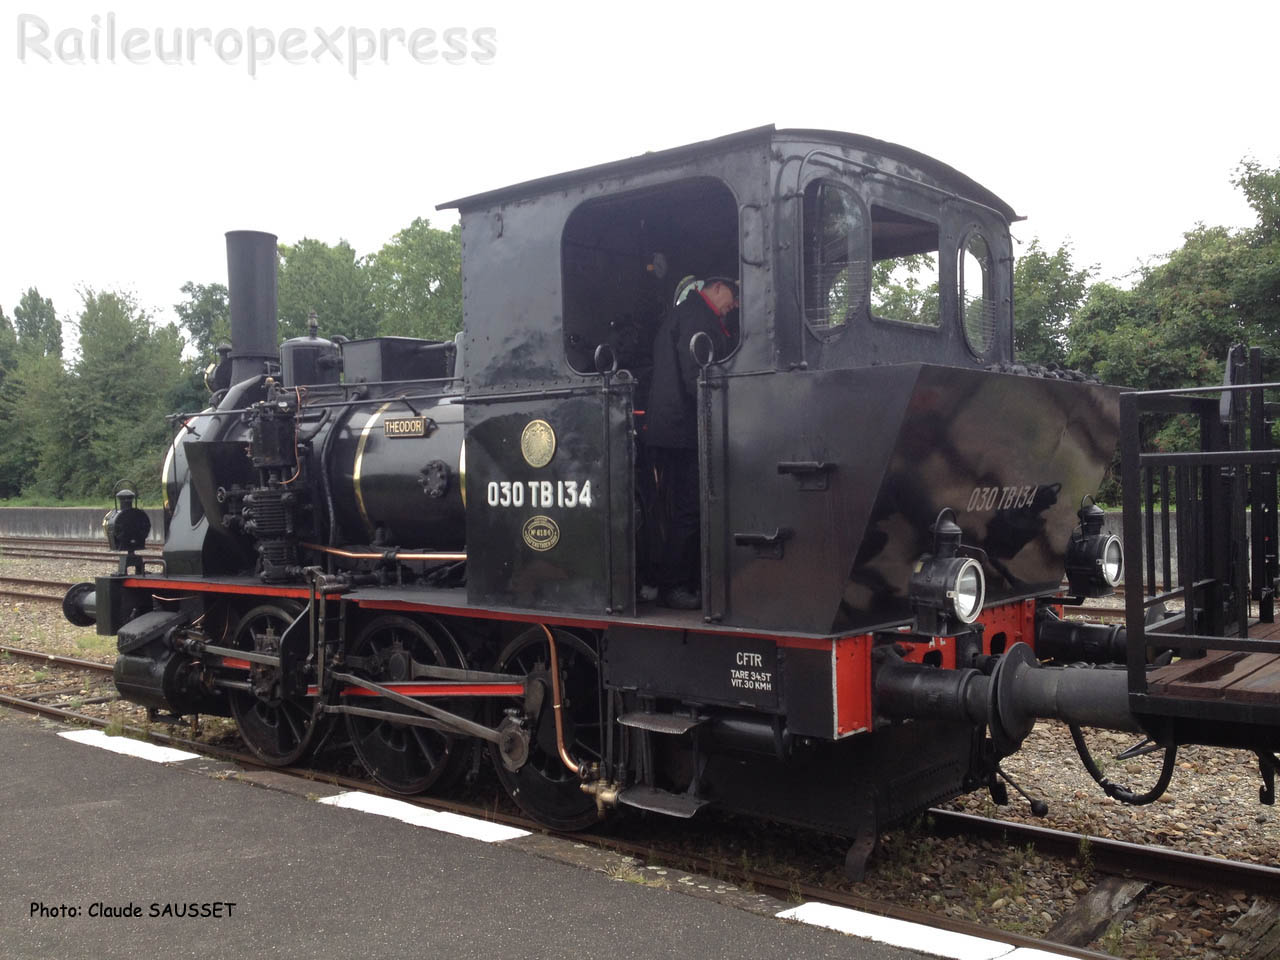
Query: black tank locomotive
x=439, y=546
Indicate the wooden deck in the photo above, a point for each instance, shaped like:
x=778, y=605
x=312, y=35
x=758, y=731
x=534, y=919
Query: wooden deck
x=1225, y=675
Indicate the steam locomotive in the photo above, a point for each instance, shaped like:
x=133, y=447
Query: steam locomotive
x=435, y=547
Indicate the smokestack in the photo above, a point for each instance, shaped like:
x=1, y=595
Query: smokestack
x=251, y=281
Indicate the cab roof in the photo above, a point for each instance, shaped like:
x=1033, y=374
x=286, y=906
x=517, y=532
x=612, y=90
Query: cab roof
x=948, y=176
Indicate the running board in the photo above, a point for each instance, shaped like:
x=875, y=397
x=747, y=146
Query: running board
x=672, y=723
x=680, y=805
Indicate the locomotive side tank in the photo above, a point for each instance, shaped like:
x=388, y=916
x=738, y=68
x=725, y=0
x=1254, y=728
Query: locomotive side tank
x=442, y=545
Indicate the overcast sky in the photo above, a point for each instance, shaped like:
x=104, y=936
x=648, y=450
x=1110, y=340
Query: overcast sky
x=1114, y=125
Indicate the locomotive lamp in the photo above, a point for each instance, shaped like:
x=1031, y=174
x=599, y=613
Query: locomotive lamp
x=126, y=526
x=947, y=590
x=1095, y=560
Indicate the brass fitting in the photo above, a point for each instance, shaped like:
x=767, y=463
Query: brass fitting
x=605, y=792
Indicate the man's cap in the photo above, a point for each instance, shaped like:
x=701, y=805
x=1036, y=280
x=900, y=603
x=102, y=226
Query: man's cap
x=691, y=283
x=727, y=281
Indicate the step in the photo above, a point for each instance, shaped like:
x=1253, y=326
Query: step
x=662, y=801
x=673, y=723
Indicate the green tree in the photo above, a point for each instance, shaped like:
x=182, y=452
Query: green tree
x=108, y=423
x=8, y=346
x=332, y=281
x=1261, y=187
x=417, y=282
x=1047, y=292
x=37, y=324
x=31, y=399
x=906, y=288
x=1256, y=275
x=1174, y=327
x=206, y=316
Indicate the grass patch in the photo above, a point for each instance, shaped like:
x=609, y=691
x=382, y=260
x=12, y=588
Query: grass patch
x=92, y=643
x=1084, y=856
x=625, y=872
x=1112, y=941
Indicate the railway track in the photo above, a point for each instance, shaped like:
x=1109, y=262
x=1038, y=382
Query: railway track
x=37, y=548
x=53, y=659
x=13, y=587
x=71, y=543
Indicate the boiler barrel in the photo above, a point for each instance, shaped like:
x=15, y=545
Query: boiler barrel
x=397, y=471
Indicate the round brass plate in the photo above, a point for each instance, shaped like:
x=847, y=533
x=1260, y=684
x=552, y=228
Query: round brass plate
x=538, y=443
x=541, y=533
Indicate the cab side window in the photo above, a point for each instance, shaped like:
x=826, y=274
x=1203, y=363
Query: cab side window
x=976, y=294
x=904, y=278
x=835, y=256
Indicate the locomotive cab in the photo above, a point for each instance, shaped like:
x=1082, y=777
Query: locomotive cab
x=856, y=402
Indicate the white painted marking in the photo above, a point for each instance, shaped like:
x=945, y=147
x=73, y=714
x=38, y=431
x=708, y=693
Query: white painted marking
x=898, y=933
x=441, y=820
x=129, y=747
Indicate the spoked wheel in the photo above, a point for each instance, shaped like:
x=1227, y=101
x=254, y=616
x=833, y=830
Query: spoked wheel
x=279, y=730
x=405, y=757
x=544, y=788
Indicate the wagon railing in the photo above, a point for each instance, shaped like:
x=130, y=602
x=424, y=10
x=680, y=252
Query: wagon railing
x=1212, y=512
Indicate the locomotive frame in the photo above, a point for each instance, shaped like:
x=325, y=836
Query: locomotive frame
x=442, y=544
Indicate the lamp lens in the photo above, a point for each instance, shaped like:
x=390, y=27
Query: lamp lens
x=1112, y=561
x=969, y=591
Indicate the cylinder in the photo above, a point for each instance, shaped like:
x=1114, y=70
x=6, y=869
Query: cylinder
x=251, y=284
x=165, y=680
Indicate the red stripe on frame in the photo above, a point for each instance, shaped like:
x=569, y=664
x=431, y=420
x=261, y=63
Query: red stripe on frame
x=244, y=589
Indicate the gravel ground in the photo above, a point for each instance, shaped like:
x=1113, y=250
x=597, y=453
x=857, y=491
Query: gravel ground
x=1211, y=808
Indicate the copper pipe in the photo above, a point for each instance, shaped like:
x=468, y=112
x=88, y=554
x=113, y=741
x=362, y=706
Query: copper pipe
x=353, y=555
x=555, y=701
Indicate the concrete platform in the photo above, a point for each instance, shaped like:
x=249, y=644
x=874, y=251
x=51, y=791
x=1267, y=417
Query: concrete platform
x=81, y=826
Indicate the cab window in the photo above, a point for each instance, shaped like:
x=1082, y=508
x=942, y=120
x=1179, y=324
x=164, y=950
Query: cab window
x=624, y=257
x=904, y=272
x=975, y=293
x=835, y=256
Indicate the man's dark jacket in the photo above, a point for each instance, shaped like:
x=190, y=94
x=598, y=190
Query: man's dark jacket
x=671, y=418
